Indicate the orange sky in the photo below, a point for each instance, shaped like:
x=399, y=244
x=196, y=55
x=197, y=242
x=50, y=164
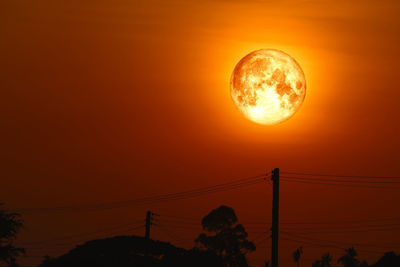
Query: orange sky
x=112, y=101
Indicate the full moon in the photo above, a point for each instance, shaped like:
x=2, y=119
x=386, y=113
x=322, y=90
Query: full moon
x=268, y=86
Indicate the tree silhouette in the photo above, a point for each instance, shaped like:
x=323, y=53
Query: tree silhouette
x=350, y=260
x=325, y=261
x=10, y=224
x=297, y=255
x=230, y=239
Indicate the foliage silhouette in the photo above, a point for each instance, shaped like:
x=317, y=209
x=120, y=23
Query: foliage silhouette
x=229, y=241
x=10, y=224
x=325, y=261
x=297, y=255
x=350, y=260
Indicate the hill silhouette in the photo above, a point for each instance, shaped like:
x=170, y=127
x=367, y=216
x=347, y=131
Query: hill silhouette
x=127, y=251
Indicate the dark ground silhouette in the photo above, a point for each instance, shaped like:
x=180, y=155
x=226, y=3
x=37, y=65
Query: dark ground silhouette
x=224, y=244
x=389, y=259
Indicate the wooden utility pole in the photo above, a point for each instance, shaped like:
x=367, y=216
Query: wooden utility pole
x=148, y=223
x=275, y=217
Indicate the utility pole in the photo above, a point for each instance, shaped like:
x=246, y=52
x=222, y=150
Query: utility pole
x=148, y=223
x=275, y=217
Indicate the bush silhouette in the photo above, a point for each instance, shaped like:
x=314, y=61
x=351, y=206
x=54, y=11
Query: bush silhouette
x=10, y=224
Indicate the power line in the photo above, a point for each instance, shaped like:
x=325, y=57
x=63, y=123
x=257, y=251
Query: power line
x=349, y=231
x=173, y=234
x=181, y=227
x=368, y=220
x=340, y=185
x=262, y=241
x=325, y=245
x=188, y=223
x=347, y=221
x=337, y=242
x=345, y=176
x=311, y=243
x=150, y=200
x=347, y=227
x=179, y=217
x=262, y=234
x=181, y=222
x=197, y=221
x=341, y=181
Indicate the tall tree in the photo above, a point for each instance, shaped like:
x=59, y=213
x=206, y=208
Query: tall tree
x=229, y=239
x=297, y=255
x=10, y=224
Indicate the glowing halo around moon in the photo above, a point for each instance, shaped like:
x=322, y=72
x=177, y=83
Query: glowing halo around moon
x=268, y=86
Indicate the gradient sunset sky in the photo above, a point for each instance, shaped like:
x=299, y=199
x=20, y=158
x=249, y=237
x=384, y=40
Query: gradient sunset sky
x=116, y=100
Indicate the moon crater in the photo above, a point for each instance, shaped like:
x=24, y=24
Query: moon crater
x=268, y=86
